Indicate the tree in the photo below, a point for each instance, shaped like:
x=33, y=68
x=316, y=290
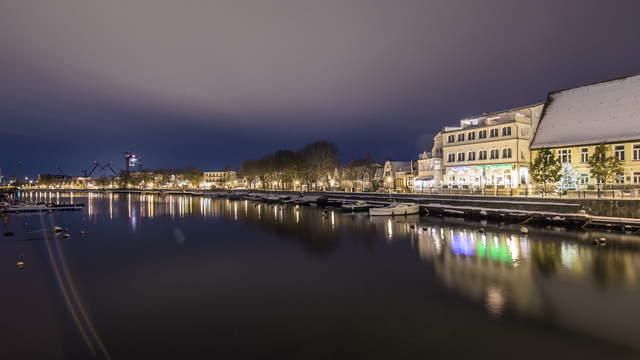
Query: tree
x=321, y=157
x=545, y=168
x=604, y=166
x=568, y=178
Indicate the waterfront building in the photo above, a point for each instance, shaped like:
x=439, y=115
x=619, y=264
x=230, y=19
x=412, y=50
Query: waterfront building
x=577, y=120
x=218, y=179
x=398, y=175
x=358, y=178
x=429, y=174
x=429, y=167
x=491, y=149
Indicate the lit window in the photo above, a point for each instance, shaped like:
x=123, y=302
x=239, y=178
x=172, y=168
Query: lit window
x=564, y=155
x=584, y=155
x=471, y=156
x=584, y=178
x=619, y=152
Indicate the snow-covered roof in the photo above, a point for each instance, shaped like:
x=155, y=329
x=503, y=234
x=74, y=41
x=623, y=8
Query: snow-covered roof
x=400, y=166
x=591, y=114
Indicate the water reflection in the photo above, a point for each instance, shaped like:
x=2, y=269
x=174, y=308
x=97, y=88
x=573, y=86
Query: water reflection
x=557, y=276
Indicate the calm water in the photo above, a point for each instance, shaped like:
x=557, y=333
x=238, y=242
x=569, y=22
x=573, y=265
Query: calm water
x=171, y=277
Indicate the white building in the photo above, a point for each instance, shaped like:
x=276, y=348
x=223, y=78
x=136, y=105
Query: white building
x=490, y=149
x=218, y=179
x=429, y=166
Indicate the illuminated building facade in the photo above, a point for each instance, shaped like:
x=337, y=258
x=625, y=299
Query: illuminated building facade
x=490, y=149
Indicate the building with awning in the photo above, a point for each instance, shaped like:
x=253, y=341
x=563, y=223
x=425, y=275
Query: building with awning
x=429, y=166
x=490, y=149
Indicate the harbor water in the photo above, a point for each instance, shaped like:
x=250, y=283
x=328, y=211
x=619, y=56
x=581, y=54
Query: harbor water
x=185, y=277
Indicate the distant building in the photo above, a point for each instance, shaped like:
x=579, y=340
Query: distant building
x=490, y=149
x=219, y=179
x=398, y=175
x=429, y=164
x=576, y=120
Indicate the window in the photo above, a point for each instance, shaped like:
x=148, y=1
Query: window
x=471, y=136
x=506, y=131
x=506, y=153
x=619, y=152
x=482, y=134
x=584, y=155
x=619, y=179
x=460, y=137
x=584, y=178
x=451, y=138
x=461, y=156
x=636, y=152
x=493, y=133
x=471, y=156
x=636, y=177
x=452, y=157
x=482, y=155
x=564, y=155
x=495, y=154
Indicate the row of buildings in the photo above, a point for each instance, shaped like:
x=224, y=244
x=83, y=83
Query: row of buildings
x=495, y=149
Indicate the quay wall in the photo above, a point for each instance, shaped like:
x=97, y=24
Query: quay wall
x=624, y=208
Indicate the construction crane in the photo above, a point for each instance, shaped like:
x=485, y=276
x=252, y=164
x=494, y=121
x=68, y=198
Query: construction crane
x=88, y=172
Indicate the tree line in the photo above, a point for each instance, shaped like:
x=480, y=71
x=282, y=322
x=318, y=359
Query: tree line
x=313, y=165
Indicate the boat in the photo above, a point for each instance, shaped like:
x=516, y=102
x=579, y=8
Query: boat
x=305, y=199
x=358, y=206
x=396, y=209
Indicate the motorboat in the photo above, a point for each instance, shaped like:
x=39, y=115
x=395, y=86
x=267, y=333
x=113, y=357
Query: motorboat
x=358, y=206
x=396, y=209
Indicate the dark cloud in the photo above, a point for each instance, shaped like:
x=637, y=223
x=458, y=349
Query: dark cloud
x=211, y=82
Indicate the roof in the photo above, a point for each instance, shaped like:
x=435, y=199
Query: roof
x=448, y=129
x=598, y=113
x=400, y=166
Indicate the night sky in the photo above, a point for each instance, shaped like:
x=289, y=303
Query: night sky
x=209, y=83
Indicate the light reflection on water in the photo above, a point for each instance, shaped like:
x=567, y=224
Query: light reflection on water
x=546, y=274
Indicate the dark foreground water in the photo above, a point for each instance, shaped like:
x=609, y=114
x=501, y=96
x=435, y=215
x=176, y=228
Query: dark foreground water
x=171, y=277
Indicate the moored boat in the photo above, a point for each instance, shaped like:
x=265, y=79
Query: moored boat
x=358, y=206
x=396, y=209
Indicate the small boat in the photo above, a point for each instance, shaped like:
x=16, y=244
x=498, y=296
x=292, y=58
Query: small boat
x=396, y=209
x=358, y=206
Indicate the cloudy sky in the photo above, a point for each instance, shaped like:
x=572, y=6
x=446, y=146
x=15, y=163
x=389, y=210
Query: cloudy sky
x=209, y=83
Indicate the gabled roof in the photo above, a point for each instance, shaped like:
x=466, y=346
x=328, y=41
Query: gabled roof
x=598, y=113
x=400, y=166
